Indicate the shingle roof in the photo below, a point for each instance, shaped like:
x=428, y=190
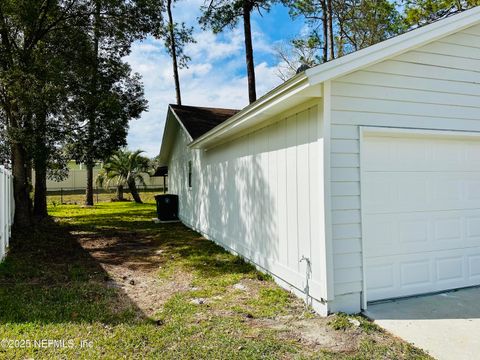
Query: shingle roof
x=199, y=120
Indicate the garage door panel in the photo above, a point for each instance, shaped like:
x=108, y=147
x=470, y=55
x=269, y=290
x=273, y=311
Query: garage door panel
x=449, y=268
x=472, y=151
x=381, y=154
x=446, y=155
x=448, y=229
x=405, y=275
x=381, y=278
x=420, y=153
x=472, y=188
x=421, y=214
x=408, y=233
x=473, y=227
x=473, y=266
x=415, y=273
x=382, y=190
x=396, y=192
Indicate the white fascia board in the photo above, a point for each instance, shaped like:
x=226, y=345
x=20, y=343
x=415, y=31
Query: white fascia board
x=268, y=105
x=393, y=47
x=171, y=124
x=172, y=112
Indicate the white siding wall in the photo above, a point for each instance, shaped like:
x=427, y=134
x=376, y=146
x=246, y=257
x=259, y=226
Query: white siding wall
x=434, y=87
x=261, y=195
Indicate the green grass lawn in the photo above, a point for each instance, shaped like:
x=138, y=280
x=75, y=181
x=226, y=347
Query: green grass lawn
x=131, y=288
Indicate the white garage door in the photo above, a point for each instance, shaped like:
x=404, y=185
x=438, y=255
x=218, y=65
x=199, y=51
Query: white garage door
x=421, y=213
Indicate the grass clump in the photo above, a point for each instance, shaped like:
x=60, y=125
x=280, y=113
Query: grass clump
x=340, y=321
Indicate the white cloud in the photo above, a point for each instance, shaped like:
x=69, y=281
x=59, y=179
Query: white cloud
x=211, y=47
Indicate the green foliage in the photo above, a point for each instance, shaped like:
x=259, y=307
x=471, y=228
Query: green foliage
x=117, y=99
x=221, y=14
x=422, y=12
x=362, y=23
x=271, y=302
x=125, y=168
x=340, y=321
x=356, y=23
x=60, y=65
x=179, y=35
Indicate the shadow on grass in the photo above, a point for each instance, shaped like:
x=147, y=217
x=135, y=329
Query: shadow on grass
x=132, y=237
x=195, y=253
x=161, y=246
x=49, y=278
x=54, y=274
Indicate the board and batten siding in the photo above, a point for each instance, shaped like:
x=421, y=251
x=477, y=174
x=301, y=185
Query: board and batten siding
x=436, y=86
x=261, y=196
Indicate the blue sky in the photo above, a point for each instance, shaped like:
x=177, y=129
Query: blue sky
x=216, y=75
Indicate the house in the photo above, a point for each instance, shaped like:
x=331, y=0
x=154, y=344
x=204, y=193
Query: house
x=355, y=181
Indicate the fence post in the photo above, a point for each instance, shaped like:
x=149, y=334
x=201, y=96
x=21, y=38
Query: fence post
x=7, y=208
x=61, y=196
x=3, y=204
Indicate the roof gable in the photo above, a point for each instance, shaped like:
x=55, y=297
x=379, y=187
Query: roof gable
x=193, y=120
x=198, y=120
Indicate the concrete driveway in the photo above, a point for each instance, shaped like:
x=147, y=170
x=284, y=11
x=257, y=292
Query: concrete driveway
x=445, y=325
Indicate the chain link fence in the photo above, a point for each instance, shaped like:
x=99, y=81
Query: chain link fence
x=76, y=195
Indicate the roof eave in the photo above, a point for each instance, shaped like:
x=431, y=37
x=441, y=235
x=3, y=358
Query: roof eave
x=293, y=87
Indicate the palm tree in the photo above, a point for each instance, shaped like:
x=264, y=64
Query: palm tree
x=125, y=168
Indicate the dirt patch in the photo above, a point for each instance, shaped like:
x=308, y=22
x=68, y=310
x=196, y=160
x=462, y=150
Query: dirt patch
x=315, y=333
x=132, y=265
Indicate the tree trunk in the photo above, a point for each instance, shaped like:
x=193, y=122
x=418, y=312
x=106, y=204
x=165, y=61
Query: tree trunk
x=133, y=190
x=29, y=172
x=252, y=93
x=40, y=198
x=120, y=193
x=173, y=50
x=89, y=190
x=93, y=110
x=330, y=29
x=323, y=5
x=40, y=165
x=23, y=217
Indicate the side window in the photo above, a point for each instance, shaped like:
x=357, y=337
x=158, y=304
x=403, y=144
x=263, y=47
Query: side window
x=189, y=174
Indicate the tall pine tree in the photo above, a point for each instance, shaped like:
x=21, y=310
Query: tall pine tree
x=221, y=14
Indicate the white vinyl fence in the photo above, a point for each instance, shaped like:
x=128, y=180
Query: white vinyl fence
x=7, y=209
